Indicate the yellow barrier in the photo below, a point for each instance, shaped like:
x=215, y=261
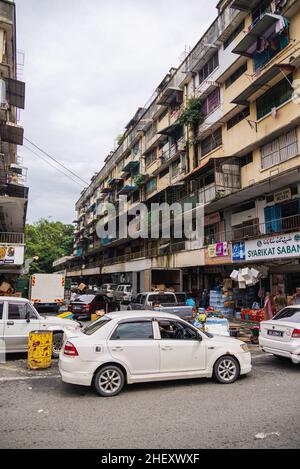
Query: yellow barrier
x=39, y=350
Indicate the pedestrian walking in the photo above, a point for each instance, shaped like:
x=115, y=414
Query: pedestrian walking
x=280, y=301
x=268, y=306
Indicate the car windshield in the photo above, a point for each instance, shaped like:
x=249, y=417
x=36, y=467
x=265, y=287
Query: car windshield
x=289, y=315
x=162, y=299
x=95, y=326
x=87, y=299
x=181, y=297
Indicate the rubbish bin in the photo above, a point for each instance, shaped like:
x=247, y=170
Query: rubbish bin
x=39, y=350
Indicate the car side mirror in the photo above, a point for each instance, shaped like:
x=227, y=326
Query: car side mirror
x=27, y=317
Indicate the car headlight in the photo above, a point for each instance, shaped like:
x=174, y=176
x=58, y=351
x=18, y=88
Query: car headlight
x=245, y=348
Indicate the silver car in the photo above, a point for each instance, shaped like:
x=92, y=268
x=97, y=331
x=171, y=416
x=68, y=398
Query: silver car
x=18, y=318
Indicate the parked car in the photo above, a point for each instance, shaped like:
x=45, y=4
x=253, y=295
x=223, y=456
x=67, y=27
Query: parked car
x=133, y=347
x=123, y=293
x=18, y=317
x=281, y=335
x=109, y=289
x=163, y=301
x=86, y=305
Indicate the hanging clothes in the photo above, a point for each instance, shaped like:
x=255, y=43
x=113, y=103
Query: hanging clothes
x=262, y=45
x=273, y=219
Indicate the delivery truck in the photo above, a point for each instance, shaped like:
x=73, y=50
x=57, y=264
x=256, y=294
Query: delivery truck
x=47, y=291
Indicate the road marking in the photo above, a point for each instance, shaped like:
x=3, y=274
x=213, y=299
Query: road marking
x=27, y=378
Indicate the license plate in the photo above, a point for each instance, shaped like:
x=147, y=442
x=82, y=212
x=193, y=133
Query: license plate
x=275, y=333
x=76, y=308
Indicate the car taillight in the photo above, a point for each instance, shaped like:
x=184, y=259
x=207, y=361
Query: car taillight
x=87, y=308
x=70, y=350
x=296, y=334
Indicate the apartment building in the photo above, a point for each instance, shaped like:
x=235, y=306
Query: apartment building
x=221, y=130
x=13, y=192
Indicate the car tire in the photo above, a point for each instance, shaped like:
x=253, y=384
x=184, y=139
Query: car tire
x=57, y=343
x=226, y=370
x=109, y=381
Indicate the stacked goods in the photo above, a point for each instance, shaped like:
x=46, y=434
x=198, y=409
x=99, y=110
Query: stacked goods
x=221, y=302
x=217, y=326
x=254, y=315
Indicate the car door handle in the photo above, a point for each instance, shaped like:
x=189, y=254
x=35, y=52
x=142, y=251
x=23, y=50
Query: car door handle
x=10, y=323
x=118, y=349
x=166, y=349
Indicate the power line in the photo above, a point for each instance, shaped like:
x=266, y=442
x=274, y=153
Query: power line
x=56, y=161
x=52, y=166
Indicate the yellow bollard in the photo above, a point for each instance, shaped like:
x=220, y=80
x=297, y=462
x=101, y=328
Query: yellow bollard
x=39, y=350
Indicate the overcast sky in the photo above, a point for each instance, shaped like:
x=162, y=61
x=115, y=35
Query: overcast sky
x=88, y=66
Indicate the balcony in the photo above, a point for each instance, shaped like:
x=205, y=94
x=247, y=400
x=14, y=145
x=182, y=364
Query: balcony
x=131, y=166
x=11, y=133
x=12, y=238
x=169, y=89
x=245, y=5
x=256, y=230
x=263, y=28
x=216, y=179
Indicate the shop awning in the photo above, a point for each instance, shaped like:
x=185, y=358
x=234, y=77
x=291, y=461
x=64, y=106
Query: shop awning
x=258, y=30
x=206, y=166
x=243, y=97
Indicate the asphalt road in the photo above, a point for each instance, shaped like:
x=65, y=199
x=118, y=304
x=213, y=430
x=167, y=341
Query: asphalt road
x=42, y=412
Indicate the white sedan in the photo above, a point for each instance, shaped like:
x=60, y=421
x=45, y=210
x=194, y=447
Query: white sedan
x=144, y=346
x=281, y=335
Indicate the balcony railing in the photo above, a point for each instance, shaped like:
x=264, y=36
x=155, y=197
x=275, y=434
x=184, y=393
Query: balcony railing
x=11, y=238
x=257, y=230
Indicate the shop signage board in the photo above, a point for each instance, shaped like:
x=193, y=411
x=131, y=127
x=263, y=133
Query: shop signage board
x=273, y=247
x=282, y=196
x=217, y=254
x=11, y=255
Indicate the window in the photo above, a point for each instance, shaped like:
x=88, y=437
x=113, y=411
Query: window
x=151, y=186
x=290, y=314
x=236, y=75
x=96, y=326
x=211, y=142
x=19, y=310
x=248, y=229
x=1, y=310
x=211, y=102
x=164, y=173
x=209, y=67
x=171, y=330
x=279, y=150
x=233, y=35
x=247, y=159
x=134, y=331
x=158, y=299
x=274, y=97
x=150, y=158
x=238, y=118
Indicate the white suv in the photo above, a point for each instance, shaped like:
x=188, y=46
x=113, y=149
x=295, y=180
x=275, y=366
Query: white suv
x=18, y=318
x=123, y=293
x=145, y=346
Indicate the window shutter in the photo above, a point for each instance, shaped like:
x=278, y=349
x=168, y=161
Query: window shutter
x=15, y=93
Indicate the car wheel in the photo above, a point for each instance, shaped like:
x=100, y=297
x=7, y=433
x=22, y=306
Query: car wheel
x=109, y=381
x=57, y=343
x=226, y=370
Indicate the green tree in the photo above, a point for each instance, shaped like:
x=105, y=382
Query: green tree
x=49, y=241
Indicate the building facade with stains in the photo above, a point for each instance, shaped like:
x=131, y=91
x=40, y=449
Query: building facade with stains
x=221, y=130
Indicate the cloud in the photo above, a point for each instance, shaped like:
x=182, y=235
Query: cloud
x=88, y=67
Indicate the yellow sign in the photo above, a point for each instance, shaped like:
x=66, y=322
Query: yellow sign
x=39, y=350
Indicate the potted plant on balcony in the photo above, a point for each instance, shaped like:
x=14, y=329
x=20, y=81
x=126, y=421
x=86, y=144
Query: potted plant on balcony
x=140, y=180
